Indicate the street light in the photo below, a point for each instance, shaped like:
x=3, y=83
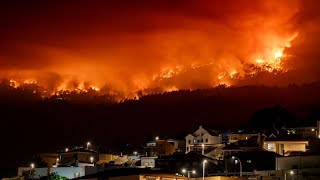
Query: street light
x=233, y=157
x=203, y=168
x=57, y=160
x=157, y=138
x=285, y=174
x=202, y=149
x=91, y=159
x=88, y=144
x=31, y=167
x=189, y=172
x=66, y=149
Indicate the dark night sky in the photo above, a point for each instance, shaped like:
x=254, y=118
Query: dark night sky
x=125, y=43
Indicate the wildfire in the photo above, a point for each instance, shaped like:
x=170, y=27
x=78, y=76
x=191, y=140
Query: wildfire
x=221, y=72
x=95, y=88
x=28, y=81
x=13, y=83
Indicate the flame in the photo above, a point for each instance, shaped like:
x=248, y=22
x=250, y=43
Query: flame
x=278, y=54
x=28, y=81
x=13, y=83
x=95, y=88
x=269, y=59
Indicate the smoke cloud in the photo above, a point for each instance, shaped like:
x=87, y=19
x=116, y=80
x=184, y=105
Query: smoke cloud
x=126, y=45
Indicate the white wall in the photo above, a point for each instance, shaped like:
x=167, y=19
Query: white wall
x=148, y=161
x=300, y=161
x=214, y=139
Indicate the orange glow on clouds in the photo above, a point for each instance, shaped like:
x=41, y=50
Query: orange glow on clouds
x=123, y=50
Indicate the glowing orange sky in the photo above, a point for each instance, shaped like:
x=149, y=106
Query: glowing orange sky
x=127, y=45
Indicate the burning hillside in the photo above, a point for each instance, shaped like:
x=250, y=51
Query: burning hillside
x=121, y=48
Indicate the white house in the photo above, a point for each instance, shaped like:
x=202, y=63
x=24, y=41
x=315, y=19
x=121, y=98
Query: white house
x=201, y=140
x=148, y=161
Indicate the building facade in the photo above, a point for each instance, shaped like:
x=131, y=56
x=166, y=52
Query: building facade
x=285, y=147
x=202, y=139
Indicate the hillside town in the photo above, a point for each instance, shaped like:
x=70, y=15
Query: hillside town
x=287, y=153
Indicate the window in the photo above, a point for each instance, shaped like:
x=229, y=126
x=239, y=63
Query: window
x=189, y=141
x=194, y=141
x=201, y=140
x=198, y=140
x=206, y=140
x=270, y=146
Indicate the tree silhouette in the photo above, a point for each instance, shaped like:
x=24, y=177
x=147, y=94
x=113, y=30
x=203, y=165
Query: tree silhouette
x=268, y=119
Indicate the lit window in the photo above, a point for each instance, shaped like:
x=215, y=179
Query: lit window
x=270, y=146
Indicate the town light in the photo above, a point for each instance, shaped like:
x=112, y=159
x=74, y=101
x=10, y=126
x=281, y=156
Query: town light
x=135, y=153
x=233, y=157
x=66, y=149
x=91, y=159
x=203, y=168
x=202, y=149
x=291, y=172
x=31, y=167
x=189, y=172
x=157, y=138
x=88, y=144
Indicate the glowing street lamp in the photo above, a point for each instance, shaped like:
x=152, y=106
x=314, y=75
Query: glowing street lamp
x=203, y=168
x=31, y=167
x=91, y=159
x=157, y=138
x=285, y=174
x=189, y=172
x=202, y=149
x=88, y=144
x=233, y=157
x=66, y=149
